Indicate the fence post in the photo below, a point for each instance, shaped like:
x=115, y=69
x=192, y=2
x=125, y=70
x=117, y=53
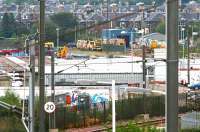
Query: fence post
x=64, y=116
x=104, y=111
x=83, y=114
x=95, y=114
x=195, y=101
x=186, y=101
x=75, y=115
x=144, y=103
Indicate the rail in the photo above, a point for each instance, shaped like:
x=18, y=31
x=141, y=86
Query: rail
x=139, y=124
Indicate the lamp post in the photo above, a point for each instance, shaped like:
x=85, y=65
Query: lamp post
x=57, y=31
x=183, y=41
x=30, y=43
x=75, y=33
x=26, y=46
x=32, y=84
x=130, y=43
x=143, y=58
x=52, y=87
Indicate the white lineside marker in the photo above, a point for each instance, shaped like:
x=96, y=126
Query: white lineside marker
x=113, y=107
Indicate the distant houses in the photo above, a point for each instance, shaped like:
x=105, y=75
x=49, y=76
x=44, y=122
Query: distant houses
x=124, y=16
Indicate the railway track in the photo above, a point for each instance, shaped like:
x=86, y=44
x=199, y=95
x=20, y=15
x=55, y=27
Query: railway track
x=150, y=123
x=155, y=122
x=139, y=124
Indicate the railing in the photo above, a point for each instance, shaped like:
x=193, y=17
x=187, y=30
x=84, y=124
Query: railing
x=12, y=108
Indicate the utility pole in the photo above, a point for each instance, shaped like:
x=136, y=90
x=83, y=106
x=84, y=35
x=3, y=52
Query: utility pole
x=42, y=66
x=183, y=40
x=107, y=4
x=52, y=88
x=188, y=55
x=144, y=66
x=75, y=35
x=144, y=75
x=32, y=85
x=57, y=31
x=172, y=66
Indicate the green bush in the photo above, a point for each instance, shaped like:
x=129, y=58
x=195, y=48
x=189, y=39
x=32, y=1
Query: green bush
x=129, y=108
x=9, y=120
x=131, y=127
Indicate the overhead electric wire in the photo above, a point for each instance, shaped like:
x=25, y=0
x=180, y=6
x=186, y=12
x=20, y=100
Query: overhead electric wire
x=86, y=64
x=24, y=36
x=114, y=62
x=94, y=63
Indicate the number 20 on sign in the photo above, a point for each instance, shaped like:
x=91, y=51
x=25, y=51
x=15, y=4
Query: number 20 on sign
x=49, y=107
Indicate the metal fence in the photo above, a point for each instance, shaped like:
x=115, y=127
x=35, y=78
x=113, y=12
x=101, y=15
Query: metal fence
x=81, y=115
x=105, y=77
x=84, y=115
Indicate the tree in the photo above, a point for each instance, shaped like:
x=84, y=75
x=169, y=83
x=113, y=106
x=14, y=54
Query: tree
x=10, y=98
x=160, y=27
x=64, y=20
x=21, y=29
x=18, y=2
x=50, y=29
x=8, y=25
x=11, y=28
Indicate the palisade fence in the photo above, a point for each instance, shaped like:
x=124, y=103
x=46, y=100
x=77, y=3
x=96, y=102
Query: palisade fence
x=85, y=114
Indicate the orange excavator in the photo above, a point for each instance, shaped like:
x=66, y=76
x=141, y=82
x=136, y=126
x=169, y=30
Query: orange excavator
x=62, y=53
x=154, y=44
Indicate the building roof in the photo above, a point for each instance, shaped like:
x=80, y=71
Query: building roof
x=98, y=65
x=96, y=17
x=155, y=36
x=155, y=17
x=146, y=39
x=190, y=16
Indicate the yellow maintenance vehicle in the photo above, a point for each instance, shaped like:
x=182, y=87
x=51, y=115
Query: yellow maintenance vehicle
x=98, y=44
x=89, y=44
x=49, y=45
x=95, y=45
x=62, y=53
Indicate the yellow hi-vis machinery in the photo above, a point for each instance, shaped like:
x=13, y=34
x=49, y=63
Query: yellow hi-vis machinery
x=62, y=53
x=155, y=44
x=49, y=45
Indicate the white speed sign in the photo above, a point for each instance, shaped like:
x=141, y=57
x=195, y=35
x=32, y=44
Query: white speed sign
x=49, y=107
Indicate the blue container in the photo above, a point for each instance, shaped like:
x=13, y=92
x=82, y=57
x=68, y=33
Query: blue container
x=18, y=54
x=127, y=34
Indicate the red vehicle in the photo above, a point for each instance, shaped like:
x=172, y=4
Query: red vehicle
x=9, y=51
